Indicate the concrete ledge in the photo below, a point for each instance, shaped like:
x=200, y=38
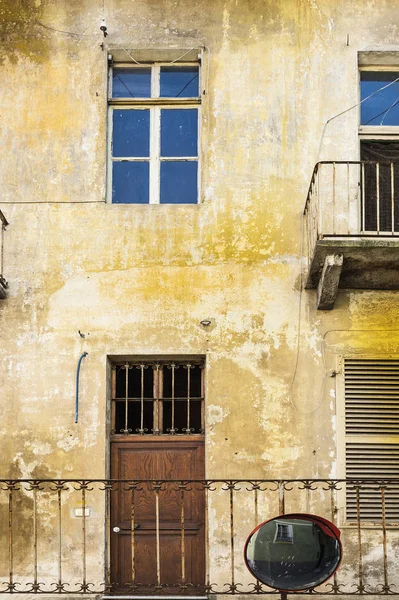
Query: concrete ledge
x=369, y=263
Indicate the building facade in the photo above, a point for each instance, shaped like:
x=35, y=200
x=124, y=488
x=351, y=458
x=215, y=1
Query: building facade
x=199, y=282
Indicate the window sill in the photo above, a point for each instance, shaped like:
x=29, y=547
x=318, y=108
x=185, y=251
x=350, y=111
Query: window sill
x=126, y=204
x=376, y=131
x=155, y=101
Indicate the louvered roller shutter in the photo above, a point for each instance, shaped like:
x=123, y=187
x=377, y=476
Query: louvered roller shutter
x=372, y=436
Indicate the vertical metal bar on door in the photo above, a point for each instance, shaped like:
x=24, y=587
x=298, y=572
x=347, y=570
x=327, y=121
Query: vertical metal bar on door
x=231, y=488
x=348, y=174
x=384, y=539
x=207, y=558
x=156, y=414
x=281, y=498
x=84, y=536
x=173, y=431
x=377, y=179
x=59, y=503
x=363, y=195
x=334, y=196
x=126, y=397
x=10, y=539
x=333, y=516
x=132, y=536
x=359, y=541
x=108, y=534
x=34, y=536
x=158, y=553
x=392, y=199
x=182, y=523
x=188, y=399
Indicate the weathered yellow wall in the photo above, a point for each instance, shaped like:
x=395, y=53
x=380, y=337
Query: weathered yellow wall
x=139, y=279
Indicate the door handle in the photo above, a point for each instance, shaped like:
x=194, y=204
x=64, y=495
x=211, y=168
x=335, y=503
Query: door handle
x=117, y=529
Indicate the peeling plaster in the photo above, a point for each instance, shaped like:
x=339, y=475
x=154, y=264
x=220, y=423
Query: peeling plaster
x=140, y=278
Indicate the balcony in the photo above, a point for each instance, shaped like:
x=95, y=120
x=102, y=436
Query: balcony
x=352, y=228
x=3, y=282
x=182, y=538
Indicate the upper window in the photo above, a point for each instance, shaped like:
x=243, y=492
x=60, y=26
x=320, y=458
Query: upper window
x=154, y=122
x=379, y=149
x=379, y=92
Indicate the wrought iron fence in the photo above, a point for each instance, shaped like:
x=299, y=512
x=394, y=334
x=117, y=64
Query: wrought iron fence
x=3, y=283
x=352, y=198
x=179, y=537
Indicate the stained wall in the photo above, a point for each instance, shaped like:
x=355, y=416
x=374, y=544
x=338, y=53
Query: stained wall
x=137, y=280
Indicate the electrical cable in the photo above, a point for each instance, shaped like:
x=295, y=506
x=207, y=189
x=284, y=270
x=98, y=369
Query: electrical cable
x=77, y=35
x=53, y=202
x=347, y=110
x=165, y=61
x=290, y=393
x=302, y=235
x=82, y=35
x=185, y=54
x=383, y=112
x=63, y=31
x=187, y=84
x=299, y=316
x=177, y=95
x=92, y=201
x=124, y=84
x=323, y=342
x=131, y=57
x=390, y=108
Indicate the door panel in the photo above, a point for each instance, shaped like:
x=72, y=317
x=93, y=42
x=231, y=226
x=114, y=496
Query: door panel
x=170, y=560
x=154, y=459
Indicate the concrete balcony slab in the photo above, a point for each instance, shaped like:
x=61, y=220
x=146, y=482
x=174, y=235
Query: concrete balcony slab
x=368, y=262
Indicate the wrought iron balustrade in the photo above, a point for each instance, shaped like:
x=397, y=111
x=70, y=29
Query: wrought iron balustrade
x=3, y=283
x=72, y=536
x=352, y=198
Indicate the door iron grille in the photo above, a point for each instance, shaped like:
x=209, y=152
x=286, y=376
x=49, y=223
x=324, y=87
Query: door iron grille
x=158, y=398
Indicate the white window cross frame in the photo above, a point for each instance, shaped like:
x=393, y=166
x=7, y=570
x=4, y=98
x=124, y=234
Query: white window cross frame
x=154, y=104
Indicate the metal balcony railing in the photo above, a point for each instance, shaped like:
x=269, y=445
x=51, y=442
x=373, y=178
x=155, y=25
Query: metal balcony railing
x=353, y=198
x=182, y=537
x=3, y=283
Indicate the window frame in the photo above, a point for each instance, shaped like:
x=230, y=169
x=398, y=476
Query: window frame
x=279, y=538
x=154, y=104
x=158, y=363
x=375, y=132
x=374, y=62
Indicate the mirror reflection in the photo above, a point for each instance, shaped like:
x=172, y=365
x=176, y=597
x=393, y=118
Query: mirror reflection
x=293, y=552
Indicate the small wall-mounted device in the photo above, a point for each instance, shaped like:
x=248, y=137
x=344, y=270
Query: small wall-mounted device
x=79, y=512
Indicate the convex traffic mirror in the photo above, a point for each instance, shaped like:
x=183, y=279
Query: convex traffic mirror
x=293, y=552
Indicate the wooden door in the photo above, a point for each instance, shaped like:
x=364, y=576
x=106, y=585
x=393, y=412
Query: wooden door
x=167, y=545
